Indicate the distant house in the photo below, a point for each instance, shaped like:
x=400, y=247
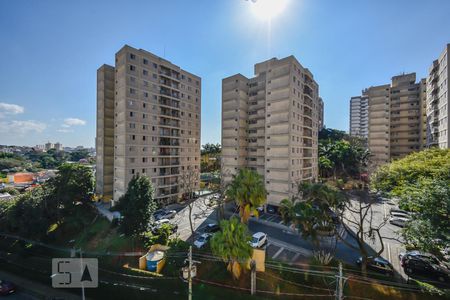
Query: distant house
x=21, y=178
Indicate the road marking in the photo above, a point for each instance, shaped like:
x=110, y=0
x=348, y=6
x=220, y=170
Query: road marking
x=278, y=253
x=389, y=252
x=295, y=257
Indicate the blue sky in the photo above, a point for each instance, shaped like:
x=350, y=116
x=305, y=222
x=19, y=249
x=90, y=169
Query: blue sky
x=50, y=52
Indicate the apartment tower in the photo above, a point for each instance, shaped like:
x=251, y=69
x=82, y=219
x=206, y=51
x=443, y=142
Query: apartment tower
x=321, y=114
x=359, y=119
x=437, y=104
x=270, y=124
x=148, y=123
x=396, y=116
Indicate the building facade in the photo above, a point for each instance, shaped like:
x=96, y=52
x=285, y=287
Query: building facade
x=270, y=124
x=321, y=114
x=359, y=119
x=437, y=104
x=396, y=118
x=148, y=123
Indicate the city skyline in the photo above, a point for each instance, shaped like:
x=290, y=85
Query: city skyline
x=57, y=101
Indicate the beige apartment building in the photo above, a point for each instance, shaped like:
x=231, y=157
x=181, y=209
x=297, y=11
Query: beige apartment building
x=321, y=114
x=396, y=118
x=437, y=104
x=359, y=116
x=270, y=124
x=148, y=122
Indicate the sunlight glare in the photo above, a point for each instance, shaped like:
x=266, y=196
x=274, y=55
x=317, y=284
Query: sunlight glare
x=267, y=9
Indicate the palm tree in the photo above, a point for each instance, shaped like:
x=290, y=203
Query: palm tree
x=232, y=245
x=247, y=189
x=309, y=210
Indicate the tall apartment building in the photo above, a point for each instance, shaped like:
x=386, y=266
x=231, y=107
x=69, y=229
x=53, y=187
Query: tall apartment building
x=270, y=124
x=438, y=104
x=396, y=118
x=321, y=114
x=359, y=119
x=148, y=122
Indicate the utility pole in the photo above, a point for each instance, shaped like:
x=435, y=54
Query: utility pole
x=340, y=284
x=81, y=269
x=189, y=273
x=253, y=277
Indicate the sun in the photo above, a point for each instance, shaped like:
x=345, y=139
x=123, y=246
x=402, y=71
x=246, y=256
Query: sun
x=267, y=9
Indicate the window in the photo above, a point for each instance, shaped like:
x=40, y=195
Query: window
x=132, y=56
x=132, y=68
x=145, y=61
x=145, y=72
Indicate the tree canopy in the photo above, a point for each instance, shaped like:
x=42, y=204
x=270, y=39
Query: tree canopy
x=248, y=191
x=341, y=155
x=421, y=181
x=137, y=206
x=232, y=245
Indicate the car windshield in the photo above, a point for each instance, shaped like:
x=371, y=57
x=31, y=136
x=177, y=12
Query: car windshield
x=201, y=239
x=255, y=240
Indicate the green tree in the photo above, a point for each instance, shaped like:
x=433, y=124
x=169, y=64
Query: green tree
x=10, y=190
x=211, y=149
x=232, y=245
x=341, y=155
x=421, y=181
x=28, y=216
x=73, y=183
x=429, y=200
x=137, y=206
x=399, y=177
x=247, y=189
x=79, y=154
x=311, y=211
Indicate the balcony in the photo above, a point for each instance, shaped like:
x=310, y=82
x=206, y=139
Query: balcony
x=168, y=102
x=168, y=122
x=170, y=112
x=169, y=152
x=307, y=122
x=307, y=111
x=307, y=143
x=307, y=132
x=169, y=171
x=169, y=162
x=308, y=102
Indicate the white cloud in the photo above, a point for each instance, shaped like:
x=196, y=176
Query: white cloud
x=73, y=122
x=21, y=127
x=10, y=109
x=64, y=130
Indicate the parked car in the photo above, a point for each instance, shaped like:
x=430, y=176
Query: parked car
x=159, y=213
x=202, y=240
x=398, y=210
x=424, y=264
x=271, y=209
x=259, y=239
x=398, y=221
x=169, y=214
x=211, y=228
x=378, y=264
x=400, y=214
x=6, y=287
